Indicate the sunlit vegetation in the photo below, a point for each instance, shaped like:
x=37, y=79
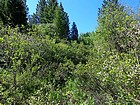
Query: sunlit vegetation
x=43, y=62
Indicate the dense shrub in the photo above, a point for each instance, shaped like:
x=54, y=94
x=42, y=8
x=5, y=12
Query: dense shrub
x=38, y=67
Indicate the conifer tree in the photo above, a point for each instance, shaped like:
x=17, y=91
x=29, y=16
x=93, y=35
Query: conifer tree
x=40, y=11
x=51, y=7
x=74, y=32
x=18, y=10
x=33, y=19
x=4, y=11
x=14, y=12
x=61, y=22
x=45, y=12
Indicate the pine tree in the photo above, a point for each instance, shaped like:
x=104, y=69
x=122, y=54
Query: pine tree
x=40, y=11
x=33, y=19
x=18, y=12
x=14, y=12
x=61, y=22
x=51, y=7
x=45, y=12
x=39, y=16
x=4, y=11
x=74, y=32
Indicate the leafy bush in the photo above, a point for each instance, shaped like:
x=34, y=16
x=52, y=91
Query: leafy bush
x=38, y=67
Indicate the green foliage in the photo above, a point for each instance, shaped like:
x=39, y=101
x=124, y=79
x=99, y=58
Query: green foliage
x=50, y=9
x=36, y=68
x=32, y=62
x=74, y=32
x=39, y=67
x=111, y=78
x=116, y=25
x=86, y=38
x=49, y=12
x=45, y=12
x=40, y=11
x=61, y=22
x=4, y=11
x=13, y=12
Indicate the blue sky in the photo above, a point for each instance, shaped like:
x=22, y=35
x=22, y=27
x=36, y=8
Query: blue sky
x=83, y=12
